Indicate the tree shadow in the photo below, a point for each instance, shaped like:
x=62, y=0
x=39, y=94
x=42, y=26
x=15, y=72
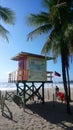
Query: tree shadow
x=53, y=112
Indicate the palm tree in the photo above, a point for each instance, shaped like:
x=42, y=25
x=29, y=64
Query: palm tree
x=69, y=39
x=58, y=17
x=8, y=16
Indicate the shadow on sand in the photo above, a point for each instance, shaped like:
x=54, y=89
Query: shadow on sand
x=54, y=113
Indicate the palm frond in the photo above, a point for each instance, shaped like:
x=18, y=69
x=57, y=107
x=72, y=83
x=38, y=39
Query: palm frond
x=47, y=46
x=4, y=33
x=45, y=3
x=7, y=15
x=69, y=33
x=38, y=19
x=52, y=44
x=40, y=30
x=68, y=37
x=62, y=4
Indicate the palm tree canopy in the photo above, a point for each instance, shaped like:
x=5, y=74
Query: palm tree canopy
x=51, y=19
x=56, y=20
x=8, y=16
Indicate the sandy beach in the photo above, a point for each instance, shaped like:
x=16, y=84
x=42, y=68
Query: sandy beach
x=38, y=116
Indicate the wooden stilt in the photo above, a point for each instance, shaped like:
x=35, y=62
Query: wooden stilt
x=17, y=84
x=43, y=92
x=24, y=96
x=33, y=90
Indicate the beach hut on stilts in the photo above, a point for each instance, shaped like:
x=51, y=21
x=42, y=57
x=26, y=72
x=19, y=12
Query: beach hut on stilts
x=32, y=70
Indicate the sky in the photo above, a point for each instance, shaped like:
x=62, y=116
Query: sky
x=18, y=38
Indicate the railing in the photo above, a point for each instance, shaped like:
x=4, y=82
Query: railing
x=13, y=76
x=20, y=75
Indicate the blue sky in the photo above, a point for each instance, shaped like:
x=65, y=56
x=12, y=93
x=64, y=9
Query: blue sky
x=18, y=38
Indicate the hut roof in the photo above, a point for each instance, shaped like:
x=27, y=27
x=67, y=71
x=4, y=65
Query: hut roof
x=22, y=54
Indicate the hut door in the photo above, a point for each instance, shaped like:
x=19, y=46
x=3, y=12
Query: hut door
x=25, y=73
x=21, y=70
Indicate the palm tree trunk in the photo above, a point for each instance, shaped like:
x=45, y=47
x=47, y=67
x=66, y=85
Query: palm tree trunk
x=69, y=92
x=65, y=81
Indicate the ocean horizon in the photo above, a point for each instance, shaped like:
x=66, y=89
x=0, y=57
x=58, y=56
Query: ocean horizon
x=5, y=86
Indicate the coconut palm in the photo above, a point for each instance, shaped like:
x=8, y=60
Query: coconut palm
x=8, y=16
x=68, y=40
x=56, y=19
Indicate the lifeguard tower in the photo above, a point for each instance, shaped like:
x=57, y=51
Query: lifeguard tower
x=32, y=69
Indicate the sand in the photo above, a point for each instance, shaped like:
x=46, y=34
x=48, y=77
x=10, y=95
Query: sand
x=38, y=116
